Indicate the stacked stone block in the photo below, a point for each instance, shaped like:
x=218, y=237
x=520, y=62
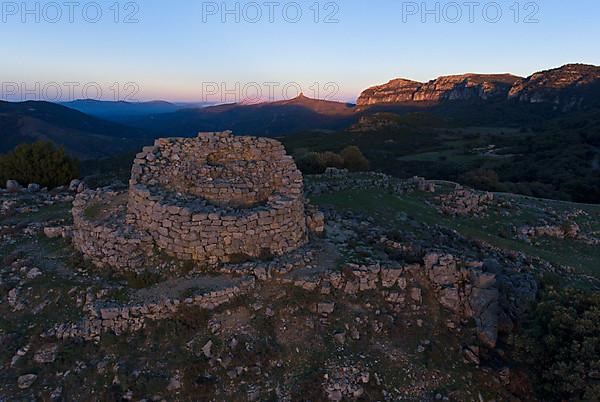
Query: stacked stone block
x=214, y=198
x=107, y=242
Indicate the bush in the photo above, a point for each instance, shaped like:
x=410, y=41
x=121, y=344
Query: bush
x=354, y=160
x=330, y=159
x=41, y=163
x=483, y=179
x=561, y=345
x=310, y=163
x=316, y=162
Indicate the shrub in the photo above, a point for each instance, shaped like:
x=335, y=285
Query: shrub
x=354, y=160
x=309, y=163
x=330, y=159
x=41, y=163
x=561, y=345
x=484, y=179
x=317, y=162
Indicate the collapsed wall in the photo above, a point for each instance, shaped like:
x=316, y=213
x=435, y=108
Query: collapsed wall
x=213, y=198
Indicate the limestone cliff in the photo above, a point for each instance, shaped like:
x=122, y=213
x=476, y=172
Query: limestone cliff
x=453, y=87
x=568, y=87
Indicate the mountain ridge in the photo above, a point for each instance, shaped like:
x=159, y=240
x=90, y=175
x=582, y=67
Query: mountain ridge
x=558, y=85
x=267, y=118
x=82, y=135
x=120, y=111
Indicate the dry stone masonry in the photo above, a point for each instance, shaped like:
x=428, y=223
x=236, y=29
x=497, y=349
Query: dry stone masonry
x=334, y=180
x=99, y=232
x=465, y=202
x=133, y=317
x=214, y=198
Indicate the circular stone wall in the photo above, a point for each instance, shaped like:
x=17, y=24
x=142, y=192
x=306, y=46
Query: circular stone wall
x=218, y=197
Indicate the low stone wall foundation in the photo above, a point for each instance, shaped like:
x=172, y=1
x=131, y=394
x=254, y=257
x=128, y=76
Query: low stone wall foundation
x=216, y=198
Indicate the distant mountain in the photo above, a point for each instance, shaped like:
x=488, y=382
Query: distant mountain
x=572, y=86
x=465, y=87
x=122, y=111
x=82, y=135
x=269, y=118
x=494, y=100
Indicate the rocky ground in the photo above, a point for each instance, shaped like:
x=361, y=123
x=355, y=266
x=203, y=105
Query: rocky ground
x=409, y=295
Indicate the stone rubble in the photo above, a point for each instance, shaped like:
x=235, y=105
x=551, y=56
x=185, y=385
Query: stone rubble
x=26, y=381
x=465, y=202
x=121, y=319
x=334, y=180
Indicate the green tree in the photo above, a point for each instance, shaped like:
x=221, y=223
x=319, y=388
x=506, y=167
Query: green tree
x=309, y=163
x=561, y=345
x=354, y=160
x=41, y=162
x=484, y=179
x=317, y=162
x=330, y=159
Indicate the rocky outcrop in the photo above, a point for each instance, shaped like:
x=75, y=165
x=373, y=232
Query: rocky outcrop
x=466, y=87
x=495, y=297
x=567, y=87
x=447, y=88
x=566, y=231
x=464, y=202
x=465, y=289
x=396, y=91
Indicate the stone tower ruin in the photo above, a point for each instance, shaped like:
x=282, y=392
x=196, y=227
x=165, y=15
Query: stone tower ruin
x=214, y=198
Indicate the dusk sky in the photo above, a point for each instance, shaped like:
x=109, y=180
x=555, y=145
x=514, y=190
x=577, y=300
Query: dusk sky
x=183, y=51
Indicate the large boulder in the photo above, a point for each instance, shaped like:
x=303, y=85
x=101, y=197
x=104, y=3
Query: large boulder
x=467, y=290
x=13, y=186
x=26, y=381
x=74, y=184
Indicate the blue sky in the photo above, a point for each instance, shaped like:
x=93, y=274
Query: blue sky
x=182, y=50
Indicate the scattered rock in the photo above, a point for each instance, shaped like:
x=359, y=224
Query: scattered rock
x=472, y=354
x=325, y=308
x=33, y=188
x=207, y=349
x=340, y=338
x=12, y=186
x=34, y=273
x=504, y=376
x=26, y=381
x=46, y=354
x=175, y=383
x=74, y=185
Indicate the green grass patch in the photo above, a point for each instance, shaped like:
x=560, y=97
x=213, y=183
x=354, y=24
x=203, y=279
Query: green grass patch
x=388, y=209
x=46, y=213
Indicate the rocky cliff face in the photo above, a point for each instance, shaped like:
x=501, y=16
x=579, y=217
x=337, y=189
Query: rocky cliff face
x=453, y=87
x=395, y=91
x=567, y=87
